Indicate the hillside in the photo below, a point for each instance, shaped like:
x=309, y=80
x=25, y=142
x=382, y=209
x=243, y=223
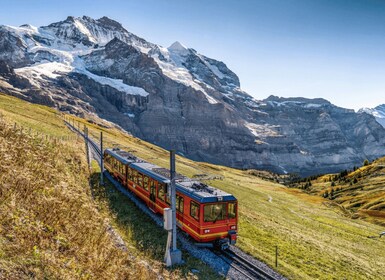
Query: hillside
x=315, y=241
x=51, y=226
x=360, y=193
x=176, y=97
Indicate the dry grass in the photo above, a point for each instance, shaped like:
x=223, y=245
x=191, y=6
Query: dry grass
x=361, y=193
x=51, y=226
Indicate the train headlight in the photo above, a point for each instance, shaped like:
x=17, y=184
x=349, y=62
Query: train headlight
x=207, y=230
x=233, y=227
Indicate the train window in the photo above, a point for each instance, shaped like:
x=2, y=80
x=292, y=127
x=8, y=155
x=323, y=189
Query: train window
x=145, y=182
x=214, y=212
x=140, y=180
x=194, y=210
x=129, y=173
x=232, y=210
x=115, y=164
x=168, y=200
x=152, y=187
x=135, y=176
x=161, y=191
x=179, y=203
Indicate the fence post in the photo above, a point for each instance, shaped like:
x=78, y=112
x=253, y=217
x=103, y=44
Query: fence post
x=87, y=147
x=276, y=256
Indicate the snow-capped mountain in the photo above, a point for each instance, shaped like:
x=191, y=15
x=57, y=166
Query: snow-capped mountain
x=377, y=112
x=176, y=97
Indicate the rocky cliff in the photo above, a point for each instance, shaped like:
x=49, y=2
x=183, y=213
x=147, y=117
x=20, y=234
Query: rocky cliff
x=178, y=98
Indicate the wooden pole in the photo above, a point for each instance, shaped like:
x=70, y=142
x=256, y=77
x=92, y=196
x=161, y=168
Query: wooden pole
x=87, y=148
x=276, y=256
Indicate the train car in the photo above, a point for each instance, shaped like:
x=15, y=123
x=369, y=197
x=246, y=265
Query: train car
x=207, y=214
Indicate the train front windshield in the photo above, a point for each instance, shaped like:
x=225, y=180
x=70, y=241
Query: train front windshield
x=218, y=212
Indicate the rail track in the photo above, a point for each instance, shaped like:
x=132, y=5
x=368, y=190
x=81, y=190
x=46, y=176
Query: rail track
x=93, y=144
x=244, y=266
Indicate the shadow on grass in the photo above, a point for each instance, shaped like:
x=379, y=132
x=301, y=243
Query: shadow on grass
x=141, y=230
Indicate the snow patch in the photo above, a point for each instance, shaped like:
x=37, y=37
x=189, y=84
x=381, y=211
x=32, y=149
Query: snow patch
x=83, y=29
x=115, y=83
x=310, y=105
x=70, y=62
x=216, y=71
x=129, y=115
x=175, y=70
x=283, y=169
x=37, y=71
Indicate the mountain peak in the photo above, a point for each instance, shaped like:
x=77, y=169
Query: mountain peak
x=112, y=24
x=177, y=47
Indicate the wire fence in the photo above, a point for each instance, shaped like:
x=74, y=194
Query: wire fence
x=39, y=135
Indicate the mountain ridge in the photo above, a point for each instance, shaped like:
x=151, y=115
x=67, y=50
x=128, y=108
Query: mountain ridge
x=177, y=98
x=378, y=112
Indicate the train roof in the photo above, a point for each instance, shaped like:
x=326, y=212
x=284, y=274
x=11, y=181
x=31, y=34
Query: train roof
x=193, y=188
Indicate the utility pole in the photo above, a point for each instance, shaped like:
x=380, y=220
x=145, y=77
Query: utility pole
x=173, y=255
x=101, y=159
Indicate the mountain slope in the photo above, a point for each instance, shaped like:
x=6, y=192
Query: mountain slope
x=177, y=98
x=360, y=192
x=378, y=112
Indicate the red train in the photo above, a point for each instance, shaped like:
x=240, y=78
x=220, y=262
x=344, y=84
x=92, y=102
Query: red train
x=207, y=214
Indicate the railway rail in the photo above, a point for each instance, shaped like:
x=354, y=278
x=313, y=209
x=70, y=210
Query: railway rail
x=93, y=144
x=244, y=266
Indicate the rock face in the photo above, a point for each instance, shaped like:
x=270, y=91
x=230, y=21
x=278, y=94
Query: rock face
x=180, y=99
x=377, y=112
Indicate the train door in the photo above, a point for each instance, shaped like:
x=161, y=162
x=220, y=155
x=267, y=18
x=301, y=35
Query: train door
x=179, y=209
x=152, y=196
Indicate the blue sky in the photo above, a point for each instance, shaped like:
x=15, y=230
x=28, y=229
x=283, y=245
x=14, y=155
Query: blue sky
x=333, y=49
